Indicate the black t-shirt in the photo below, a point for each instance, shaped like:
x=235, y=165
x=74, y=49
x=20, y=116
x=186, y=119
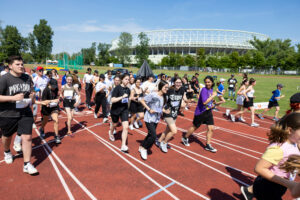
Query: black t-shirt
x=174, y=99
x=10, y=86
x=120, y=106
x=231, y=83
x=186, y=87
x=49, y=94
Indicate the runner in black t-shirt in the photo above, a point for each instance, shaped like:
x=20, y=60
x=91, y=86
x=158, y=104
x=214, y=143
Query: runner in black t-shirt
x=15, y=112
x=119, y=110
x=174, y=98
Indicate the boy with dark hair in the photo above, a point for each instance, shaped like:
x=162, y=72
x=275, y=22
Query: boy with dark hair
x=15, y=113
x=231, y=87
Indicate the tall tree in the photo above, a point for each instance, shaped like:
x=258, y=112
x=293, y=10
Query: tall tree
x=200, y=57
x=142, y=49
x=43, y=34
x=89, y=54
x=189, y=60
x=124, y=50
x=103, y=55
x=12, y=42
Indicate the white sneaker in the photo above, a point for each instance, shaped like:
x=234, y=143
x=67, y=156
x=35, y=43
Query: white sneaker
x=254, y=125
x=131, y=127
x=17, y=147
x=8, y=157
x=185, y=141
x=105, y=120
x=33, y=125
x=143, y=153
x=124, y=148
x=136, y=125
x=111, y=137
x=95, y=116
x=227, y=112
x=115, y=132
x=163, y=147
x=232, y=118
x=242, y=119
x=30, y=169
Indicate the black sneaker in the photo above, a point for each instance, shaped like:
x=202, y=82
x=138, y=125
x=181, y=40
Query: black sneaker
x=157, y=143
x=246, y=194
x=57, y=140
x=181, y=114
x=42, y=133
x=210, y=148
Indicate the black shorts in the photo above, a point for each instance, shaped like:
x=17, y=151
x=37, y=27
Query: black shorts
x=123, y=116
x=265, y=189
x=136, y=107
x=21, y=125
x=189, y=95
x=46, y=111
x=273, y=104
x=248, y=104
x=69, y=103
x=204, y=118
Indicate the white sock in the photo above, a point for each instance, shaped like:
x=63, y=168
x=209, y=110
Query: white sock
x=18, y=139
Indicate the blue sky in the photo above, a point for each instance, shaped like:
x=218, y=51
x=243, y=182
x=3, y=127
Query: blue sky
x=78, y=23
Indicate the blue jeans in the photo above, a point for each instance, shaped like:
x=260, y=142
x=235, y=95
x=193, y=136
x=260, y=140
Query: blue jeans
x=231, y=92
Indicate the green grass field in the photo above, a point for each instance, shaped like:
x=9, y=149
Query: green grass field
x=265, y=84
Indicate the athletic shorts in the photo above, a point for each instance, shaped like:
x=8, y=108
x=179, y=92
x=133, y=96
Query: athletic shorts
x=170, y=120
x=69, y=103
x=273, y=104
x=189, y=95
x=123, y=116
x=136, y=107
x=264, y=189
x=248, y=104
x=21, y=125
x=204, y=118
x=48, y=111
x=240, y=100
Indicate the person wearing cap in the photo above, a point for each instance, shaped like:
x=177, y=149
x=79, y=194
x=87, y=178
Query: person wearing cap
x=88, y=81
x=220, y=92
x=50, y=95
x=100, y=98
x=231, y=87
x=273, y=102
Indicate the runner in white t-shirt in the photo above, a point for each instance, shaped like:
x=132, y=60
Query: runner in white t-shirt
x=148, y=86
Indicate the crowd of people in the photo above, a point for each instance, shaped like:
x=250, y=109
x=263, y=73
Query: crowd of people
x=128, y=100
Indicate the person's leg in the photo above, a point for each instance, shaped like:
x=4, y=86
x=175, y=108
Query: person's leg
x=252, y=109
x=124, y=132
x=209, y=133
x=103, y=104
x=98, y=103
x=277, y=111
x=171, y=133
x=190, y=131
x=163, y=135
x=229, y=94
x=54, y=116
x=150, y=139
x=69, y=120
x=90, y=94
x=6, y=142
x=87, y=100
x=26, y=147
x=141, y=116
x=45, y=121
x=233, y=94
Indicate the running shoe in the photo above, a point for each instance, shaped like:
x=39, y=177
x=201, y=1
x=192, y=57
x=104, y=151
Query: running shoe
x=275, y=119
x=140, y=123
x=131, y=127
x=255, y=125
x=136, y=125
x=143, y=153
x=111, y=137
x=57, y=140
x=227, y=112
x=17, y=147
x=260, y=116
x=76, y=109
x=185, y=141
x=232, y=117
x=105, y=120
x=208, y=147
x=242, y=119
x=8, y=158
x=247, y=195
x=30, y=169
x=42, y=133
x=163, y=147
x=124, y=148
x=95, y=116
x=157, y=143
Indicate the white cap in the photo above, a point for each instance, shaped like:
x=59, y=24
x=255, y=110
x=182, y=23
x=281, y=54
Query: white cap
x=222, y=79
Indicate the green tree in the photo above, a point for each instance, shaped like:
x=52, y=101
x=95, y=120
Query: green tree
x=103, y=55
x=200, y=57
x=27, y=57
x=43, y=35
x=124, y=50
x=89, y=54
x=189, y=60
x=225, y=62
x=234, y=60
x=142, y=49
x=165, y=61
x=258, y=59
x=213, y=62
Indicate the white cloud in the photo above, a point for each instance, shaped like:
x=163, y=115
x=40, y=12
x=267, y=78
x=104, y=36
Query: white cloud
x=91, y=26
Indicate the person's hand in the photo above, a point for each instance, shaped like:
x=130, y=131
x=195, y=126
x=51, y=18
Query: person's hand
x=167, y=111
x=76, y=104
x=151, y=111
x=125, y=95
x=18, y=97
x=247, y=99
x=214, y=94
x=282, y=96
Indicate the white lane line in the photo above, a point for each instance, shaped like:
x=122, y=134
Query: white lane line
x=66, y=168
x=100, y=139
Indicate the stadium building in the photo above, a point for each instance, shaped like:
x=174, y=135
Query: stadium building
x=187, y=41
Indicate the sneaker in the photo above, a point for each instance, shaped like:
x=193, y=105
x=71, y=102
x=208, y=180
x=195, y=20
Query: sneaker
x=181, y=114
x=185, y=141
x=157, y=143
x=242, y=119
x=105, y=120
x=254, y=125
x=247, y=195
x=33, y=125
x=30, y=169
x=143, y=153
x=168, y=146
x=95, y=116
x=111, y=137
x=275, y=119
x=8, y=158
x=57, y=140
x=140, y=123
x=42, y=133
x=210, y=148
x=260, y=116
x=115, y=132
x=76, y=109
x=17, y=147
x=227, y=112
x=232, y=117
x=163, y=147
x=124, y=148
x=131, y=127
x=89, y=107
x=136, y=125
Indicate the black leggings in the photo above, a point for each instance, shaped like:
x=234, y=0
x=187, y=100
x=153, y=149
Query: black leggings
x=150, y=138
x=88, y=93
x=101, y=101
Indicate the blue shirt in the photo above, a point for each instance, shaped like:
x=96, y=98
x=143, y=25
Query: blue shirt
x=276, y=93
x=220, y=88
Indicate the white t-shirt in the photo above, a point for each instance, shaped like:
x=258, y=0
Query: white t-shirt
x=88, y=78
x=100, y=85
x=151, y=87
x=109, y=82
x=3, y=73
x=41, y=82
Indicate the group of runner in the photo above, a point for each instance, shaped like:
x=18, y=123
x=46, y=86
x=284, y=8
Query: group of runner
x=127, y=99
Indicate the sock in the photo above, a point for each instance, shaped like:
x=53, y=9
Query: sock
x=7, y=151
x=18, y=139
x=25, y=163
